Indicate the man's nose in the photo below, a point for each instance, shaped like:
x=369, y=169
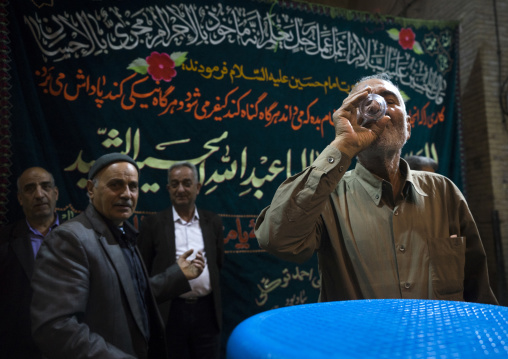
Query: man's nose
x=39, y=192
x=126, y=193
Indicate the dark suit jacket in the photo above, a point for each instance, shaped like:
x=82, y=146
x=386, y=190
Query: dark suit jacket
x=156, y=243
x=84, y=304
x=16, y=268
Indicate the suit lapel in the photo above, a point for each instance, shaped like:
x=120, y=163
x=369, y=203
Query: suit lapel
x=204, y=223
x=117, y=260
x=22, y=247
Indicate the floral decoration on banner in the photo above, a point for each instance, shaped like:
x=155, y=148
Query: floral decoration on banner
x=407, y=39
x=440, y=47
x=160, y=66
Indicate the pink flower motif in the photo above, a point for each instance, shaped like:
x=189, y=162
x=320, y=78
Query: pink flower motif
x=161, y=66
x=406, y=38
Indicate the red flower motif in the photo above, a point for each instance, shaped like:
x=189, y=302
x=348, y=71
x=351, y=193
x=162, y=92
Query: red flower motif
x=406, y=38
x=161, y=66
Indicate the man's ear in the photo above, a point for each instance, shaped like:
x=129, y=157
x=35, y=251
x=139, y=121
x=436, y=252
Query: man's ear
x=89, y=188
x=408, y=125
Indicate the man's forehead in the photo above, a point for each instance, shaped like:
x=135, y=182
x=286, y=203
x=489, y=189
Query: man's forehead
x=118, y=169
x=35, y=176
x=381, y=87
x=375, y=83
x=183, y=171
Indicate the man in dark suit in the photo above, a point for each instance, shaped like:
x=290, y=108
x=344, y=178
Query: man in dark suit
x=92, y=295
x=19, y=243
x=194, y=319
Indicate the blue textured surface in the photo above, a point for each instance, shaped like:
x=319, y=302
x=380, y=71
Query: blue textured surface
x=383, y=328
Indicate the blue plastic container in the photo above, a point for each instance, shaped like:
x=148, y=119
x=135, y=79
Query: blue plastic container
x=384, y=328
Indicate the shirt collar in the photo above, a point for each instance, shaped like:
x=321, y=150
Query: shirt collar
x=404, y=166
x=55, y=223
x=125, y=232
x=373, y=184
x=176, y=216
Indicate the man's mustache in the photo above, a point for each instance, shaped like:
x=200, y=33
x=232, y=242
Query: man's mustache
x=124, y=203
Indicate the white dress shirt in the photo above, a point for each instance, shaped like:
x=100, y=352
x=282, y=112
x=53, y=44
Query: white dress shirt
x=188, y=235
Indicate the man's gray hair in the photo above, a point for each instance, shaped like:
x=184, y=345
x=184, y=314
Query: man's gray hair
x=381, y=76
x=95, y=182
x=184, y=164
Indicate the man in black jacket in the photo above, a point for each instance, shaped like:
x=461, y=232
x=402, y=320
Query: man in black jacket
x=194, y=319
x=92, y=296
x=19, y=244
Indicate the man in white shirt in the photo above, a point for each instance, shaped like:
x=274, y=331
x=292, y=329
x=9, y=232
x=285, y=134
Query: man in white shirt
x=194, y=319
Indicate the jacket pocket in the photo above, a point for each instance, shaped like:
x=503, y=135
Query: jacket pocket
x=447, y=260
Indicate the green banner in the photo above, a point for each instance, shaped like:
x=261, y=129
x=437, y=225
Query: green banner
x=244, y=90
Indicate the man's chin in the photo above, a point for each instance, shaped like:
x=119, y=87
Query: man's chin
x=123, y=215
x=42, y=213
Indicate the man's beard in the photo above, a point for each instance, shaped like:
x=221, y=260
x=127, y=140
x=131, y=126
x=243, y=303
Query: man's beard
x=389, y=142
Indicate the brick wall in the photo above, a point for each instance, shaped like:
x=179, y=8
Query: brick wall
x=485, y=135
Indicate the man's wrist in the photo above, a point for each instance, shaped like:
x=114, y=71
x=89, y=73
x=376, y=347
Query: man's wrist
x=347, y=150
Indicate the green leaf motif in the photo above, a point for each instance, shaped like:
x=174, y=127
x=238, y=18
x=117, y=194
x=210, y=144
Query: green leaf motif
x=139, y=65
x=394, y=34
x=179, y=57
x=417, y=48
x=405, y=97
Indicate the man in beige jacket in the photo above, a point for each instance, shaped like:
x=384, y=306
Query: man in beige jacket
x=380, y=230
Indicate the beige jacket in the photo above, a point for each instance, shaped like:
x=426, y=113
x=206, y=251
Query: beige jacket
x=426, y=246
